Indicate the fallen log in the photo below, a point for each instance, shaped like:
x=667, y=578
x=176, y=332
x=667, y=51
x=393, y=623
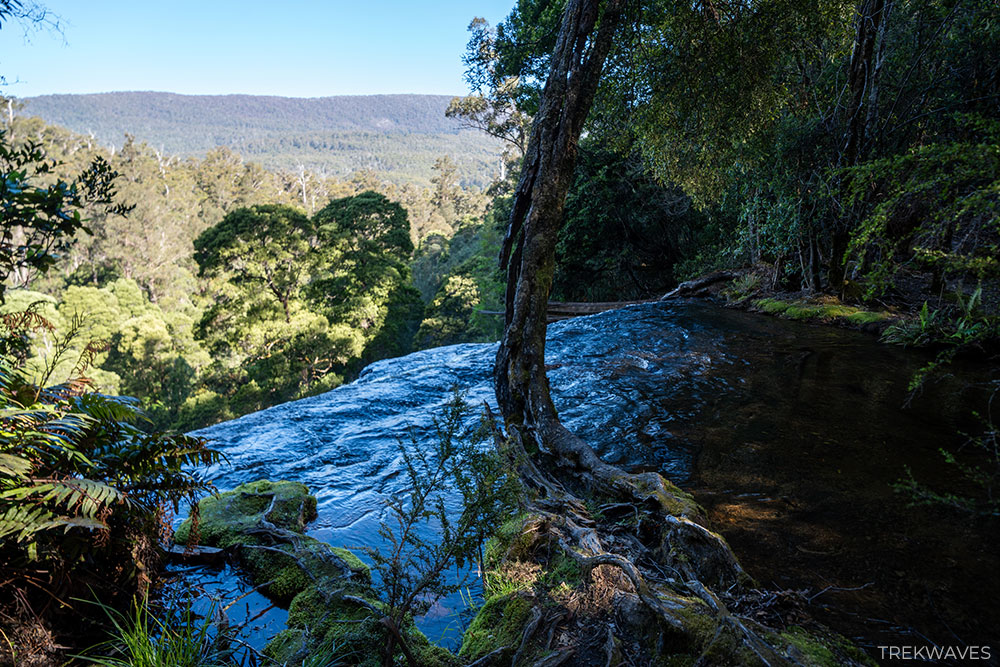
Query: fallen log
x=699, y=286
x=196, y=555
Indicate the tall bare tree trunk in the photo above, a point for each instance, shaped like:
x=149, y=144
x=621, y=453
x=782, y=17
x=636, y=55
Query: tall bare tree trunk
x=522, y=387
x=866, y=65
x=528, y=254
x=561, y=467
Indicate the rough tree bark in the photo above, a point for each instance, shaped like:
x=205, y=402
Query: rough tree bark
x=528, y=254
x=528, y=251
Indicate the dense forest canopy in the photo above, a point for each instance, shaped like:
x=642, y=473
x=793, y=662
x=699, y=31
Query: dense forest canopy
x=829, y=139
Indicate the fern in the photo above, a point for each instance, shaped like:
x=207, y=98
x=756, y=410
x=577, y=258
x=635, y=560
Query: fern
x=77, y=465
x=14, y=466
x=85, y=497
x=23, y=522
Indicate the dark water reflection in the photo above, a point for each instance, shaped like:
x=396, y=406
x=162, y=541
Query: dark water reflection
x=791, y=435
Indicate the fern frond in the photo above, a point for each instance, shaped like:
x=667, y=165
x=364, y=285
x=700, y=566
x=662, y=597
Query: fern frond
x=26, y=320
x=67, y=390
x=83, y=497
x=24, y=521
x=110, y=408
x=15, y=466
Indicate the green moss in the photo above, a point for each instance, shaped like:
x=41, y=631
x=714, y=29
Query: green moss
x=500, y=622
x=507, y=540
x=801, y=313
x=827, y=309
x=673, y=500
x=700, y=625
x=226, y=518
x=307, y=609
x=353, y=562
x=772, y=306
x=811, y=649
x=431, y=655
x=284, y=573
x=285, y=646
x=820, y=651
x=229, y=519
x=863, y=317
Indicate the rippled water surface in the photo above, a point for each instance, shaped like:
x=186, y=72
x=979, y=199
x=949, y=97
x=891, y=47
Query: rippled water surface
x=758, y=403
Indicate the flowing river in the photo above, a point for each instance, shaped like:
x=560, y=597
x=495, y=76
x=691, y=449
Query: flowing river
x=791, y=436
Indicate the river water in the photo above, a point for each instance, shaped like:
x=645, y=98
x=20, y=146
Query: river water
x=790, y=435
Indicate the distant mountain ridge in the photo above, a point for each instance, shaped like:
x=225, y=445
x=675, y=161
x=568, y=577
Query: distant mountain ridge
x=399, y=135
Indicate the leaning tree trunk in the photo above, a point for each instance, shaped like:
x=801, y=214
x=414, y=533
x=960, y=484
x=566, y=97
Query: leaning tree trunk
x=664, y=531
x=522, y=388
x=528, y=254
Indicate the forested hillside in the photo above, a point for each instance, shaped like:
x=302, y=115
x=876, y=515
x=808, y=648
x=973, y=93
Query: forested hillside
x=398, y=135
x=217, y=287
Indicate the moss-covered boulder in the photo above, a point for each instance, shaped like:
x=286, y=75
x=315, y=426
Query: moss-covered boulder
x=499, y=624
x=263, y=522
x=228, y=518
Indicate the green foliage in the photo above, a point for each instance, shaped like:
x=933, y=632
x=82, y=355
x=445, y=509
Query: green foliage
x=952, y=330
x=459, y=280
x=299, y=303
x=977, y=462
x=500, y=622
x=79, y=464
x=370, y=226
x=743, y=288
x=412, y=571
x=448, y=317
x=133, y=346
x=39, y=218
x=937, y=205
x=623, y=233
x=197, y=349
x=84, y=491
x=744, y=107
x=144, y=639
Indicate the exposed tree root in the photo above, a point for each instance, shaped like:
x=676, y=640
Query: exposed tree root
x=278, y=535
x=649, y=578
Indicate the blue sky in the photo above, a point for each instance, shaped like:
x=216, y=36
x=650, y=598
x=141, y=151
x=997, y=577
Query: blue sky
x=295, y=48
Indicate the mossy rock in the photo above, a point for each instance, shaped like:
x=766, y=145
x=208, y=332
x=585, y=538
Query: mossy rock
x=499, y=622
x=287, y=647
x=346, y=626
x=226, y=518
x=820, y=650
x=233, y=519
